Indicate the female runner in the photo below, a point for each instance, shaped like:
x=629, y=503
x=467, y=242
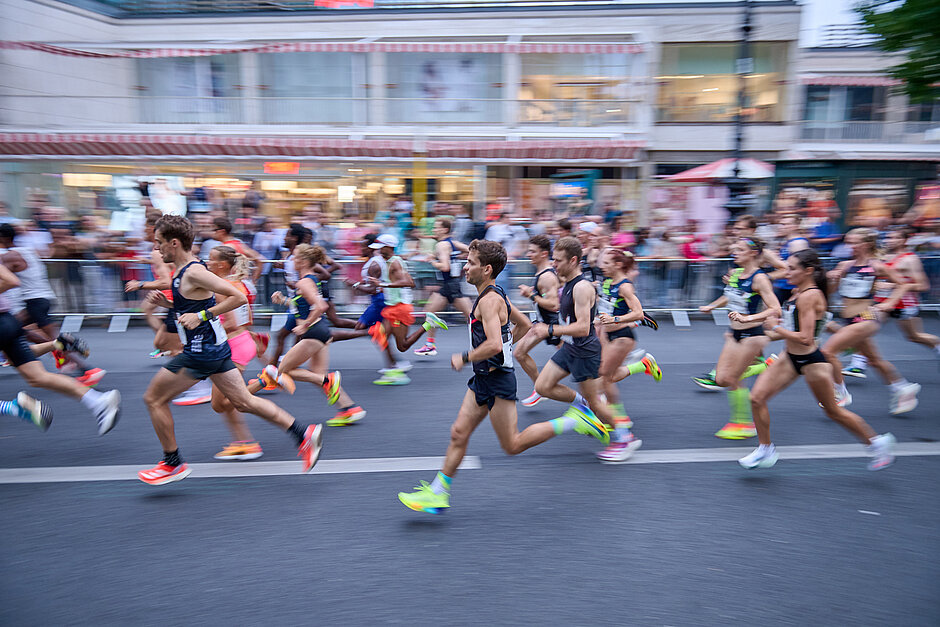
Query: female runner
x=747, y=290
x=804, y=317
x=861, y=318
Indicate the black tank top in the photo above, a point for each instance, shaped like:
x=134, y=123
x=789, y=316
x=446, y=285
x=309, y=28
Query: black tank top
x=791, y=317
x=456, y=267
x=588, y=344
x=207, y=341
x=503, y=360
x=548, y=317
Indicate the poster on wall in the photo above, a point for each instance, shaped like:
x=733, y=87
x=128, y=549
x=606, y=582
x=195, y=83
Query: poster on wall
x=451, y=84
x=877, y=203
x=811, y=198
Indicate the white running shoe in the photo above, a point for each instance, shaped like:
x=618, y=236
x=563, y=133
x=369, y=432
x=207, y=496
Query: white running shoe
x=760, y=458
x=428, y=350
x=532, y=400
x=882, y=451
x=109, y=411
x=619, y=452
x=905, y=399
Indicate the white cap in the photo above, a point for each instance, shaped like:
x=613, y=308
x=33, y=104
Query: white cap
x=588, y=227
x=384, y=240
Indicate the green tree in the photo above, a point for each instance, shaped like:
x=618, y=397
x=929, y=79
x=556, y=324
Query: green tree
x=911, y=27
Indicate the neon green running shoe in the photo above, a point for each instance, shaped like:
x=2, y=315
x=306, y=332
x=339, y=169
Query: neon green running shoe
x=331, y=386
x=652, y=368
x=393, y=377
x=707, y=382
x=424, y=500
x=588, y=423
x=433, y=320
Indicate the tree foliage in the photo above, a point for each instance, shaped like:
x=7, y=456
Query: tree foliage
x=911, y=27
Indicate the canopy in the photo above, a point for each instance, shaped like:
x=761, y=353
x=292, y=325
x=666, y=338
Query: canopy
x=724, y=169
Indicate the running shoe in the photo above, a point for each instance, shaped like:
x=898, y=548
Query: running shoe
x=587, y=423
x=758, y=458
x=262, y=339
x=5, y=363
x=66, y=342
x=199, y=394
x=347, y=417
x=652, y=368
x=737, y=431
x=34, y=410
x=433, y=320
x=649, y=321
x=157, y=353
x=403, y=365
x=882, y=451
x=428, y=350
x=164, y=473
x=423, y=499
x=619, y=452
x=635, y=355
x=393, y=377
x=842, y=400
x=309, y=449
x=331, y=383
x=109, y=411
x=240, y=451
x=858, y=373
x=284, y=381
x=532, y=400
x=377, y=332
x=707, y=382
x=905, y=399
x=59, y=358
x=92, y=377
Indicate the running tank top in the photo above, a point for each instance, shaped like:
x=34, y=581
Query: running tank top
x=858, y=282
x=395, y=295
x=456, y=267
x=501, y=361
x=241, y=315
x=208, y=340
x=546, y=316
x=784, y=255
x=910, y=299
x=34, y=282
x=610, y=301
x=589, y=343
x=588, y=271
x=791, y=318
x=740, y=292
x=301, y=308
x=374, y=260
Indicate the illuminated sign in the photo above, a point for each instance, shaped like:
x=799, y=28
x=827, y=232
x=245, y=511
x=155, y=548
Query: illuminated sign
x=281, y=167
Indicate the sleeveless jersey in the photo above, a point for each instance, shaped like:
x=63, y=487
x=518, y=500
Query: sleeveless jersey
x=546, y=316
x=456, y=266
x=241, y=315
x=910, y=299
x=858, y=282
x=791, y=319
x=34, y=282
x=589, y=344
x=208, y=340
x=610, y=301
x=503, y=360
x=740, y=292
x=395, y=295
x=299, y=305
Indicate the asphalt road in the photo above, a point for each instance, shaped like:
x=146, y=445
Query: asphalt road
x=549, y=537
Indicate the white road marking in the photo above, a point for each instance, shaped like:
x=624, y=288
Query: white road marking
x=64, y=474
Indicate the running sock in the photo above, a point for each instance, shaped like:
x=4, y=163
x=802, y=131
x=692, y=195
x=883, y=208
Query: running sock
x=565, y=423
x=91, y=399
x=622, y=434
x=740, y=403
x=172, y=458
x=297, y=430
x=765, y=448
x=754, y=369
x=618, y=409
x=897, y=386
x=841, y=389
x=637, y=367
x=10, y=408
x=441, y=484
x=578, y=399
x=858, y=361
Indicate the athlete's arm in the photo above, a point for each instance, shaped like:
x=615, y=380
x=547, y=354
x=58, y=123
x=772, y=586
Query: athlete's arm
x=628, y=294
x=915, y=271
x=765, y=288
x=546, y=292
x=369, y=286
x=199, y=277
x=837, y=273
x=8, y=280
x=721, y=301
x=773, y=259
x=322, y=273
x=900, y=287
x=398, y=277
x=14, y=261
x=584, y=294
x=520, y=321
x=308, y=290
x=808, y=304
x=442, y=260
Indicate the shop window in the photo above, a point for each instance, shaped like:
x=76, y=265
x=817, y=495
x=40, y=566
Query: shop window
x=199, y=90
x=301, y=87
x=444, y=87
x=697, y=83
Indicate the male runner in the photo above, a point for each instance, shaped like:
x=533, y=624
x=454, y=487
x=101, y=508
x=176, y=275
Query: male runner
x=544, y=295
x=296, y=234
x=448, y=270
x=580, y=352
x=206, y=354
x=493, y=384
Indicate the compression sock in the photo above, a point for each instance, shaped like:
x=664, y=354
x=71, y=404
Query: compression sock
x=441, y=484
x=754, y=369
x=10, y=408
x=297, y=430
x=172, y=458
x=740, y=403
x=637, y=367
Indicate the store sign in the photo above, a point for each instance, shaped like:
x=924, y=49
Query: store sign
x=281, y=167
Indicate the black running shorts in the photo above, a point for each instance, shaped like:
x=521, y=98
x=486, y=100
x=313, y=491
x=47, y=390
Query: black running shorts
x=319, y=331
x=497, y=384
x=451, y=290
x=13, y=341
x=580, y=368
x=625, y=332
x=37, y=310
x=199, y=368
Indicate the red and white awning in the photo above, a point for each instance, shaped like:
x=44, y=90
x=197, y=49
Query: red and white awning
x=325, y=46
x=62, y=145
x=851, y=81
x=724, y=169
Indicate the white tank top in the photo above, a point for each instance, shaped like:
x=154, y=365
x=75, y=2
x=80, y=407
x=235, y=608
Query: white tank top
x=34, y=282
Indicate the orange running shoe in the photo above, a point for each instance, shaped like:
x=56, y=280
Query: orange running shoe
x=310, y=448
x=164, y=473
x=60, y=358
x=284, y=381
x=347, y=417
x=92, y=377
x=377, y=331
x=331, y=383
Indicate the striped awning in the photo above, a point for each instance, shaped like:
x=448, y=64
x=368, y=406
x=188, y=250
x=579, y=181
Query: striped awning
x=325, y=46
x=852, y=81
x=62, y=145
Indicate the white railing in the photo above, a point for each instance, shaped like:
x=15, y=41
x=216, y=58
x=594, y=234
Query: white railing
x=881, y=132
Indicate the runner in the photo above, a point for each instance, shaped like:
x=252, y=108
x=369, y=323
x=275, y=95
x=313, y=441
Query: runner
x=803, y=320
x=492, y=388
x=793, y=241
x=620, y=312
x=544, y=295
x=106, y=406
x=750, y=297
x=313, y=333
x=580, y=352
x=344, y=329
x=448, y=270
x=296, y=234
x=907, y=311
x=206, y=354
x=861, y=318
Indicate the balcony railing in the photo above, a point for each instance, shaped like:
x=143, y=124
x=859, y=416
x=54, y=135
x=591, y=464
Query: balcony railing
x=43, y=111
x=881, y=132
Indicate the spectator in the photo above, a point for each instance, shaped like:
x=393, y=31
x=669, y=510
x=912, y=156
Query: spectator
x=826, y=235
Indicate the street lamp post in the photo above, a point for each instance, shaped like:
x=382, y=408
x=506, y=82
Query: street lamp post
x=737, y=186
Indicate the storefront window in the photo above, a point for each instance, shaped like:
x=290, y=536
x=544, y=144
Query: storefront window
x=301, y=87
x=697, y=83
x=575, y=89
x=444, y=87
x=198, y=90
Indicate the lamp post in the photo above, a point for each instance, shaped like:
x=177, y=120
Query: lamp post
x=737, y=186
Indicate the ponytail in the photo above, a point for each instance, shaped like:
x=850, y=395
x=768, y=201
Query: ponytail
x=240, y=264
x=809, y=259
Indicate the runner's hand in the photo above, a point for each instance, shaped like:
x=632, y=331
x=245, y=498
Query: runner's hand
x=159, y=299
x=456, y=362
x=189, y=320
x=526, y=290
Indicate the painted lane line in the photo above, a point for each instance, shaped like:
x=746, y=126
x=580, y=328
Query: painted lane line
x=812, y=451
x=65, y=474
